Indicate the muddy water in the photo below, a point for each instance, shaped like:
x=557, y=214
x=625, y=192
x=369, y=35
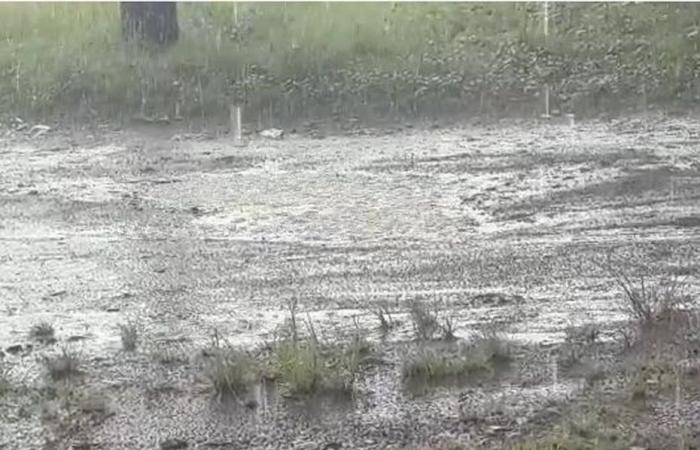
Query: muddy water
x=190, y=237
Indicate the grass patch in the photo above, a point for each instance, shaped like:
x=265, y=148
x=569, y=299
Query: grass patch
x=129, y=335
x=306, y=367
x=583, y=431
x=231, y=372
x=286, y=58
x=428, y=323
x=43, y=332
x=62, y=366
x=481, y=357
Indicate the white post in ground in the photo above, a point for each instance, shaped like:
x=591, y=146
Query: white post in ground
x=546, y=34
x=236, y=116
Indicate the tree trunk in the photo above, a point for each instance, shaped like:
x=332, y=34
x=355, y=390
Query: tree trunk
x=152, y=23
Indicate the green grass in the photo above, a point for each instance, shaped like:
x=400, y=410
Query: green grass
x=288, y=58
x=305, y=367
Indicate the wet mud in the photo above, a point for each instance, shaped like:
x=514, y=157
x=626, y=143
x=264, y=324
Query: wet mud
x=497, y=223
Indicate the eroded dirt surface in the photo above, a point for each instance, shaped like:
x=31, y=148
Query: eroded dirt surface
x=188, y=236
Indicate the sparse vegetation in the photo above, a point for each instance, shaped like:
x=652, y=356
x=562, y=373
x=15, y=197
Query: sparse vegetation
x=429, y=323
x=62, y=366
x=129, y=334
x=386, y=322
x=425, y=321
x=306, y=366
x=647, y=300
x=43, y=332
x=481, y=357
x=231, y=372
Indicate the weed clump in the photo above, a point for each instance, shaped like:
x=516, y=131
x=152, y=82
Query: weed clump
x=428, y=324
x=62, y=366
x=129, y=334
x=231, y=371
x=43, y=332
x=481, y=357
x=305, y=367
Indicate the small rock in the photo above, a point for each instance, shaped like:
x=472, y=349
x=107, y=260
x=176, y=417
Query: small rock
x=76, y=338
x=14, y=349
x=113, y=309
x=173, y=444
x=38, y=130
x=272, y=133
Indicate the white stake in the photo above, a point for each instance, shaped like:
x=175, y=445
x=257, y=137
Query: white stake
x=236, y=124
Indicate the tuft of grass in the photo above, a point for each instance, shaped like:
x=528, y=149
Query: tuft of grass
x=166, y=354
x=129, y=334
x=62, y=366
x=386, y=322
x=43, y=332
x=488, y=352
x=425, y=320
x=432, y=364
x=306, y=367
x=587, y=431
x=299, y=366
x=231, y=372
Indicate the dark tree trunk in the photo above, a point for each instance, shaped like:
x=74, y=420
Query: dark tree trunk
x=149, y=22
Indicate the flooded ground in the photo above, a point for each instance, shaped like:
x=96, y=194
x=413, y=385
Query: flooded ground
x=499, y=223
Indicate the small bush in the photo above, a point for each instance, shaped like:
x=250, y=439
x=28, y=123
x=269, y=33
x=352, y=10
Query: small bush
x=647, y=300
x=129, y=334
x=43, y=332
x=63, y=366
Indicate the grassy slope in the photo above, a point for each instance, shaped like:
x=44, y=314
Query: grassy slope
x=286, y=58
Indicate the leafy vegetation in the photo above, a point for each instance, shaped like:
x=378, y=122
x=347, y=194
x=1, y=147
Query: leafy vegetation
x=283, y=60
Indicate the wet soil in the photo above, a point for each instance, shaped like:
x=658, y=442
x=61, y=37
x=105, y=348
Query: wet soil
x=497, y=223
